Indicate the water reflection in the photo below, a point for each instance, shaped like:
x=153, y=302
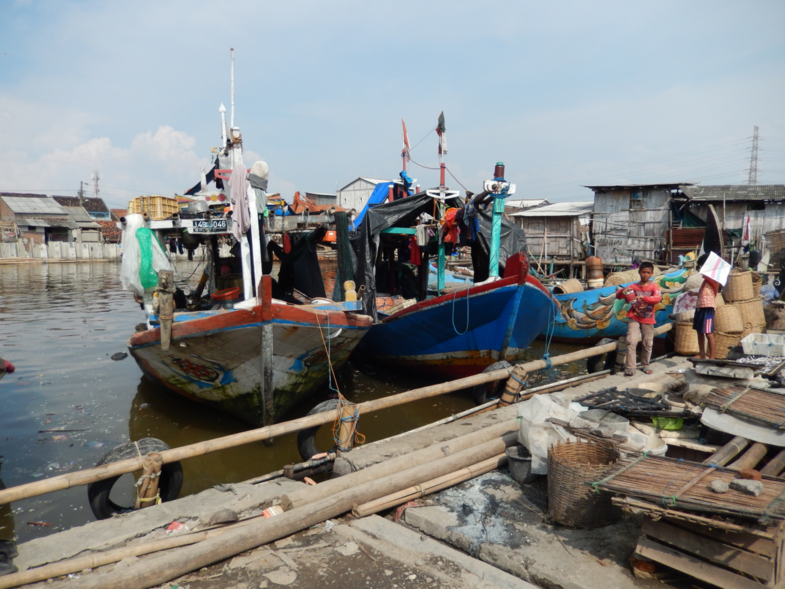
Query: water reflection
x=60, y=324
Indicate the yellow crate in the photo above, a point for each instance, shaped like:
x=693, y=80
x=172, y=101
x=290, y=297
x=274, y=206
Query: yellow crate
x=157, y=207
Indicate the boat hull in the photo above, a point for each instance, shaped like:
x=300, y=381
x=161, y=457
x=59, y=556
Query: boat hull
x=589, y=316
x=216, y=360
x=445, y=337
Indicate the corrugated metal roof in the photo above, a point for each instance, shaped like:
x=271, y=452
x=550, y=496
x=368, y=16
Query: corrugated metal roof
x=373, y=181
x=32, y=223
x=735, y=192
x=559, y=209
x=33, y=205
x=81, y=217
x=525, y=203
x=614, y=187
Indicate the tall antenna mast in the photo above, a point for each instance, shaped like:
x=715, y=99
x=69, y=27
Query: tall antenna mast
x=753, y=179
x=81, y=193
x=231, y=120
x=96, y=190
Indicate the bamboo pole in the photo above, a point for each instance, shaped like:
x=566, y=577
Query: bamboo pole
x=775, y=465
x=507, y=431
x=429, y=487
x=160, y=569
x=751, y=457
x=113, y=469
x=728, y=452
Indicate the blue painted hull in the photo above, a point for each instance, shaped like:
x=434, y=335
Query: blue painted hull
x=442, y=336
x=587, y=317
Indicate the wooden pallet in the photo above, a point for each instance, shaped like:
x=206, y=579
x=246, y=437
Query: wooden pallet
x=727, y=559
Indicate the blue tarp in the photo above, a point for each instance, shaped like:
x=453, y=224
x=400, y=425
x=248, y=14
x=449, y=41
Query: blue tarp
x=379, y=195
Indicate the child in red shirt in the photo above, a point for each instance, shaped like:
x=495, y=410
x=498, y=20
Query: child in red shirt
x=640, y=317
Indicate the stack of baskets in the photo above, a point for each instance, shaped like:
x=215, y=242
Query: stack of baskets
x=729, y=327
x=685, y=341
x=740, y=293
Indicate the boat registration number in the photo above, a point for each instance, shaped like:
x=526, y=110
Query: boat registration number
x=210, y=226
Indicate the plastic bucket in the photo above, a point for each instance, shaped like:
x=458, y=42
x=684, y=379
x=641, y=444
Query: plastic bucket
x=520, y=463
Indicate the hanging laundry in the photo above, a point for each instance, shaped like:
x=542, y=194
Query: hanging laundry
x=287, y=243
x=415, y=257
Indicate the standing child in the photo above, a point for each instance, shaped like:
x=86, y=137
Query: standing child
x=703, y=322
x=640, y=317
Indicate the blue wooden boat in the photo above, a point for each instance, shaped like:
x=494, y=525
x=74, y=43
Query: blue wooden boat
x=459, y=329
x=589, y=316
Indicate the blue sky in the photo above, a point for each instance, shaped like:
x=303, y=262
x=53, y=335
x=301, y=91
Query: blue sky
x=565, y=93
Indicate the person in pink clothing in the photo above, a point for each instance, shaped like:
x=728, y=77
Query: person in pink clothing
x=642, y=296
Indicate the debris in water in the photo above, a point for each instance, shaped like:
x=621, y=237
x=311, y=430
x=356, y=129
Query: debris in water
x=39, y=524
x=119, y=356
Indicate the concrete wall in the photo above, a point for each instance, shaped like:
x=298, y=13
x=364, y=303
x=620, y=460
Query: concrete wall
x=61, y=250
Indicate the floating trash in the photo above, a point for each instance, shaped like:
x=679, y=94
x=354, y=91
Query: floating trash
x=119, y=356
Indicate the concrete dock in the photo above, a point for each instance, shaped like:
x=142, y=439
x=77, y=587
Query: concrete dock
x=489, y=531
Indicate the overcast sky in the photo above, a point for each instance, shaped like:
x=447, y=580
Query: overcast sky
x=564, y=93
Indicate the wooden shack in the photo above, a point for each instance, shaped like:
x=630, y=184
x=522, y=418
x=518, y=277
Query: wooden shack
x=556, y=232
x=631, y=221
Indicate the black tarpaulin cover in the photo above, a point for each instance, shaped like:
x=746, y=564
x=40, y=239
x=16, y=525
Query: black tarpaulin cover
x=404, y=213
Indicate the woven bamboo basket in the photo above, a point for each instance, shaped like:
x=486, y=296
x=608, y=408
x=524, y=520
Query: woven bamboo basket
x=616, y=278
x=723, y=342
x=568, y=286
x=739, y=286
x=720, y=301
x=751, y=312
x=686, y=339
x=572, y=466
x=693, y=281
x=752, y=329
x=728, y=319
x=757, y=282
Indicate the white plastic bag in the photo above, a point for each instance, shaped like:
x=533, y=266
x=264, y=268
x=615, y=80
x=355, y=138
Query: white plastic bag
x=131, y=263
x=537, y=434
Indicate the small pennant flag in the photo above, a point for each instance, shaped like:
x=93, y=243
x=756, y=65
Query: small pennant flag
x=442, y=131
x=406, y=149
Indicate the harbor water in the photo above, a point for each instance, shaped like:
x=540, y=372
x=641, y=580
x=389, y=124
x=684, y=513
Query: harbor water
x=69, y=402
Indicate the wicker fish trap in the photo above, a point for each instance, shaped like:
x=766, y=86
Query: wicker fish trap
x=686, y=339
x=751, y=312
x=568, y=286
x=723, y=342
x=572, y=466
x=616, y=278
x=739, y=286
x=728, y=319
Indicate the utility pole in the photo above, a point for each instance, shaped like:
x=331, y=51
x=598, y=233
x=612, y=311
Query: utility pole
x=753, y=179
x=81, y=194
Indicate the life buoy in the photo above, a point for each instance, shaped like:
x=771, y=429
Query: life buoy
x=169, y=485
x=482, y=393
x=306, y=439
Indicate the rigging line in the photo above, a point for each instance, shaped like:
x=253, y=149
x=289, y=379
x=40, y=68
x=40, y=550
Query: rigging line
x=456, y=179
x=419, y=164
x=411, y=149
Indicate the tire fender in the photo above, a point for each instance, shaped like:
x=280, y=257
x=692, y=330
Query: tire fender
x=482, y=393
x=169, y=485
x=306, y=439
x=602, y=362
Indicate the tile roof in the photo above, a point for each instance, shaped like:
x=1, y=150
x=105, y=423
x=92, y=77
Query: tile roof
x=92, y=204
x=110, y=231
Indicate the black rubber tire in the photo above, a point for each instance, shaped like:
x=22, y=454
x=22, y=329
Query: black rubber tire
x=306, y=439
x=482, y=393
x=603, y=362
x=169, y=486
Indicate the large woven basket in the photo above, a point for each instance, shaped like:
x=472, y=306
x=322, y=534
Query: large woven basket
x=723, y=342
x=616, y=278
x=719, y=301
x=739, y=286
x=757, y=282
x=568, y=286
x=751, y=312
x=572, y=467
x=728, y=319
x=685, y=339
